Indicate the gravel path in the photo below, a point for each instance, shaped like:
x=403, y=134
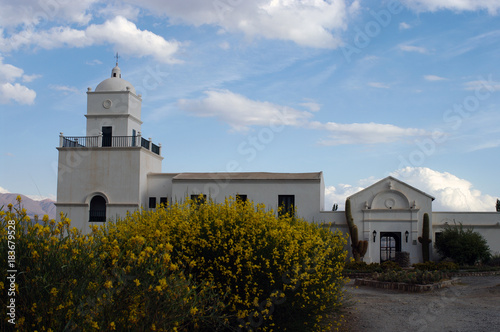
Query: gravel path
x=470, y=305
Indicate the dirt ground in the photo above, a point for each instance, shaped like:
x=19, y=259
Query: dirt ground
x=473, y=304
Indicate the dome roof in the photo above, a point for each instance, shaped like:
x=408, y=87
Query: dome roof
x=115, y=83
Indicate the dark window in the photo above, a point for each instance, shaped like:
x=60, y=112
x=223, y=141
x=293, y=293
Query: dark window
x=106, y=136
x=199, y=199
x=286, y=204
x=390, y=243
x=133, y=137
x=97, y=212
x=163, y=200
x=241, y=198
x=152, y=202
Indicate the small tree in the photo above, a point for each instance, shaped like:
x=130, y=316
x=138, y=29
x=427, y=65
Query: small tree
x=498, y=205
x=464, y=246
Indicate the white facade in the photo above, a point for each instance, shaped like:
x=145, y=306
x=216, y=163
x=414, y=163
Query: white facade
x=114, y=170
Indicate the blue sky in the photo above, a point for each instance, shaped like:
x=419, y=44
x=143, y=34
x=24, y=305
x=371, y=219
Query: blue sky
x=357, y=89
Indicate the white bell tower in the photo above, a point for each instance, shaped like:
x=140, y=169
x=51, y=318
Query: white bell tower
x=104, y=174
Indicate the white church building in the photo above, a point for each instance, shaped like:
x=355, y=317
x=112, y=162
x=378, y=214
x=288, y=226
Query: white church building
x=115, y=169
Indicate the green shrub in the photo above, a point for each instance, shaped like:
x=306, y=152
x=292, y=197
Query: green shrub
x=356, y=266
x=403, y=258
x=432, y=266
x=427, y=266
x=495, y=260
x=447, y=266
x=390, y=265
x=462, y=246
x=411, y=277
x=363, y=267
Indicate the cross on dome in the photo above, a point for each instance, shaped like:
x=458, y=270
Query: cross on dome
x=116, y=72
x=115, y=82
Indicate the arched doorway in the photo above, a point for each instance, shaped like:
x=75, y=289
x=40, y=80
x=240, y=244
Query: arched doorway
x=97, y=212
x=390, y=243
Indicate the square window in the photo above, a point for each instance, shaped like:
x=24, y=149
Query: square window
x=241, y=198
x=152, y=202
x=163, y=200
x=286, y=205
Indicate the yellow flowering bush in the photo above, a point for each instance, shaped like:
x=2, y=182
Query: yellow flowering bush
x=181, y=267
x=273, y=272
x=67, y=281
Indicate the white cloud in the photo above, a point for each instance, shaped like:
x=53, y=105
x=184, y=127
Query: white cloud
x=34, y=12
x=434, y=78
x=404, y=26
x=486, y=145
x=338, y=194
x=370, y=58
x=93, y=62
x=4, y=191
x=492, y=6
x=482, y=84
x=312, y=106
x=119, y=9
x=240, y=112
x=30, y=78
x=366, y=133
x=63, y=88
x=410, y=48
x=17, y=92
x=42, y=197
x=10, y=89
x=124, y=34
x=378, y=85
x=478, y=41
x=451, y=192
x=311, y=23
x=224, y=45
x=8, y=72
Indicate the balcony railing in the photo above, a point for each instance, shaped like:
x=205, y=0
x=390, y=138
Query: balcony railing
x=108, y=141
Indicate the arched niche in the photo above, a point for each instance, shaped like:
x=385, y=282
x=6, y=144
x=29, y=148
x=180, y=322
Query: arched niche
x=390, y=199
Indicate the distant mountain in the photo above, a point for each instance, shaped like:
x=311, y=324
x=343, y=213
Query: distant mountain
x=32, y=207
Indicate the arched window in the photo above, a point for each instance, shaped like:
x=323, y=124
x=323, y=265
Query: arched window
x=97, y=211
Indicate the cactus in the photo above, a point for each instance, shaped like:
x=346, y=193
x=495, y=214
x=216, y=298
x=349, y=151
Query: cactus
x=424, y=239
x=359, y=248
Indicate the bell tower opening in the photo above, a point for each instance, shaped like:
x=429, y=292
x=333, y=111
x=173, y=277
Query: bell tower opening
x=97, y=212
